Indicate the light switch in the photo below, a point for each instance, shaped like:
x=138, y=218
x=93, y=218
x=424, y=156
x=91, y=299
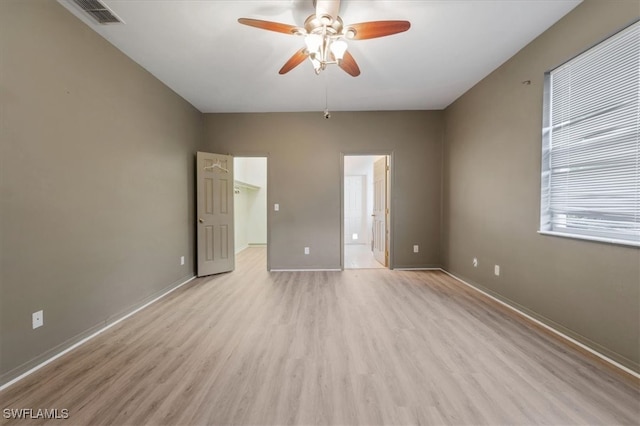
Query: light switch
x=276, y=207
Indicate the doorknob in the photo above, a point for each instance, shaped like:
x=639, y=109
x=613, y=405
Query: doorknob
x=201, y=220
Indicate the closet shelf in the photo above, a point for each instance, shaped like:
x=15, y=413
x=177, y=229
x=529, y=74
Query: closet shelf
x=238, y=183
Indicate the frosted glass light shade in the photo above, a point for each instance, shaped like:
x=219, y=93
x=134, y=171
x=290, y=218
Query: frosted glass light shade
x=338, y=48
x=313, y=42
x=316, y=64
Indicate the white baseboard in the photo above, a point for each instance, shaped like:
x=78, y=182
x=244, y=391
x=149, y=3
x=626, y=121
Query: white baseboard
x=418, y=269
x=305, y=270
x=250, y=245
x=91, y=336
x=548, y=327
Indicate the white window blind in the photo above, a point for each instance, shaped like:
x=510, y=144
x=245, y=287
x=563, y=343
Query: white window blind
x=591, y=143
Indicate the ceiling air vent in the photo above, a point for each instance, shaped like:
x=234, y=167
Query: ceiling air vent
x=98, y=11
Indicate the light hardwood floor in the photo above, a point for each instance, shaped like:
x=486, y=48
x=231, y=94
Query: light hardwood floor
x=360, y=256
x=336, y=348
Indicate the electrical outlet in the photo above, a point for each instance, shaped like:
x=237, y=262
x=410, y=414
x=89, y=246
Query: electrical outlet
x=475, y=262
x=37, y=319
x=416, y=248
x=496, y=270
x=181, y=260
x=306, y=250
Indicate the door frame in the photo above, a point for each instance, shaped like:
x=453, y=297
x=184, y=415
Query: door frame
x=262, y=154
x=390, y=205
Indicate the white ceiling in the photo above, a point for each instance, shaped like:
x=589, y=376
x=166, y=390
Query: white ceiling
x=198, y=49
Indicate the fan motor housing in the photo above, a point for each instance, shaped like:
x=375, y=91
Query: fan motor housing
x=314, y=24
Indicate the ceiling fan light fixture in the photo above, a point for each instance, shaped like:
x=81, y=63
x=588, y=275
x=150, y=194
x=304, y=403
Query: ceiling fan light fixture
x=313, y=42
x=326, y=37
x=338, y=48
x=317, y=65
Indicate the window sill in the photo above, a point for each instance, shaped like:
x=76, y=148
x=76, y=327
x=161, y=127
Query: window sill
x=591, y=238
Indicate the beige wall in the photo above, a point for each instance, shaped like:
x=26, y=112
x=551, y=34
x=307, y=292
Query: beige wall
x=304, y=171
x=492, y=198
x=96, y=180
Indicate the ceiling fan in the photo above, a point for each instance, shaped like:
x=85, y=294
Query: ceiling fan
x=325, y=37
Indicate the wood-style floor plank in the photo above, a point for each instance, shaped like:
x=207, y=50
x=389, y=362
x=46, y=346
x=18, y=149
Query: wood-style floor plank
x=358, y=347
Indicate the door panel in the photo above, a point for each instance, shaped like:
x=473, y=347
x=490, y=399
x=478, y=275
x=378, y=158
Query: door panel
x=214, y=177
x=380, y=251
x=224, y=242
x=208, y=243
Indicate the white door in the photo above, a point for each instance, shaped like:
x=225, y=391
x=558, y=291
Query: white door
x=355, y=220
x=380, y=251
x=215, y=235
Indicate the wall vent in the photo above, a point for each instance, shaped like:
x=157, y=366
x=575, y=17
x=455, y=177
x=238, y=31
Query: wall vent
x=98, y=11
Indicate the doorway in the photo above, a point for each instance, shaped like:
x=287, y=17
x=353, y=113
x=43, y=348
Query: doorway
x=366, y=212
x=250, y=205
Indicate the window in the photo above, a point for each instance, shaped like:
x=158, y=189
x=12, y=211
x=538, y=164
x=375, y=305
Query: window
x=591, y=143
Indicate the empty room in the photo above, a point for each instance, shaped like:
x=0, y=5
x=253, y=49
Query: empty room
x=320, y=212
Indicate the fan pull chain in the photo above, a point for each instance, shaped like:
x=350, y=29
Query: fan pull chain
x=327, y=114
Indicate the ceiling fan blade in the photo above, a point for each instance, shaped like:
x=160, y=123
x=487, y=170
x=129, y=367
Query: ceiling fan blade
x=349, y=65
x=373, y=29
x=294, y=61
x=327, y=8
x=271, y=26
